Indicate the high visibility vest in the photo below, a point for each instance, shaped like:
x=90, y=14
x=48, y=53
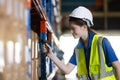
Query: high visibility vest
x=98, y=70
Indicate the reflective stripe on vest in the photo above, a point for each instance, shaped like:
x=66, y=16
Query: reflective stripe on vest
x=98, y=70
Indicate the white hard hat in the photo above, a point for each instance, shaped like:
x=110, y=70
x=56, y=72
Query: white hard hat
x=84, y=14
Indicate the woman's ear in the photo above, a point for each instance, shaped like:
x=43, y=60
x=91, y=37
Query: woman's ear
x=85, y=27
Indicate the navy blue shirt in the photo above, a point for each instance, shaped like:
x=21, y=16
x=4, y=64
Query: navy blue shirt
x=108, y=51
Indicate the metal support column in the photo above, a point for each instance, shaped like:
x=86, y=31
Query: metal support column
x=49, y=10
x=29, y=37
x=49, y=36
x=43, y=35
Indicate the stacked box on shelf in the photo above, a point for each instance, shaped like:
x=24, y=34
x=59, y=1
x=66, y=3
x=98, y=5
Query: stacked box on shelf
x=35, y=51
x=35, y=58
x=13, y=38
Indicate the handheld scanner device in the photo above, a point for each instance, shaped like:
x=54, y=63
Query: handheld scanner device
x=44, y=43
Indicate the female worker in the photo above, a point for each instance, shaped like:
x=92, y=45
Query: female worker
x=93, y=55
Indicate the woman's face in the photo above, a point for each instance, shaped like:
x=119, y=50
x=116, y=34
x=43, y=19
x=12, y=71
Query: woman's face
x=76, y=30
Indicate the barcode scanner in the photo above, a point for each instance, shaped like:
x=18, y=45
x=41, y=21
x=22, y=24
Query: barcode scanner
x=44, y=43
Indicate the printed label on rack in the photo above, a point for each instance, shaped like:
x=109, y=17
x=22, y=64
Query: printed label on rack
x=27, y=54
x=29, y=43
x=9, y=7
x=1, y=56
x=16, y=9
x=21, y=11
x=17, y=53
x=10, y=52
x=36, y=50
x=18, y=48
x=33, y=49
x=26, y=17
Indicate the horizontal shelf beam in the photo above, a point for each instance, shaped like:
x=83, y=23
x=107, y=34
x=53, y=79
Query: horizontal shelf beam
x=100, y=14
x=109, y=14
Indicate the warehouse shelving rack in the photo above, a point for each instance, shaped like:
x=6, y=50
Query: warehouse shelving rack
x=43, y=24
x=22, y=24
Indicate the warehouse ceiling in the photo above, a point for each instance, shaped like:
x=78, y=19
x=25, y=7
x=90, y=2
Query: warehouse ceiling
x=68, y=5
x=95, y=5
x=98, y=8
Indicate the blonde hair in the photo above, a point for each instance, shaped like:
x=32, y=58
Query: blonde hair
x=92, y=30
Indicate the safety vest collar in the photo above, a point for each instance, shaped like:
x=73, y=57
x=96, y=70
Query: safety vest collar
x=90, y=37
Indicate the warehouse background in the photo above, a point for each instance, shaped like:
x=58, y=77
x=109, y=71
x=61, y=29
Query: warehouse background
x=26, y=24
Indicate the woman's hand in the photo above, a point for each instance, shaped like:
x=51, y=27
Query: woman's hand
x=46, y=49
x=66, y=68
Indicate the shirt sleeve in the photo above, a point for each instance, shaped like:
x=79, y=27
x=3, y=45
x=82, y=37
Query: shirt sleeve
x=73, y=59
x=109, y=52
